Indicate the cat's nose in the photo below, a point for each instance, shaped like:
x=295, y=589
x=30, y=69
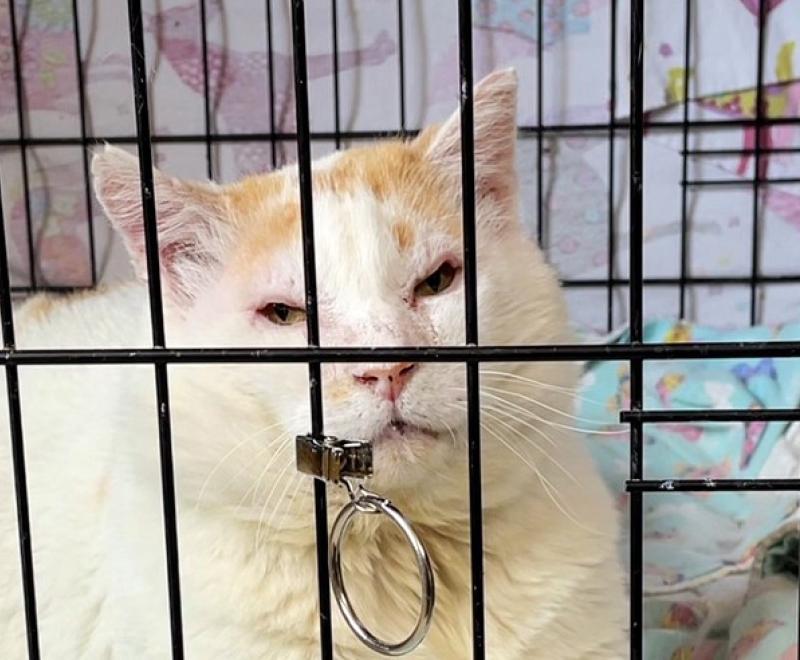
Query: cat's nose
x=388, y=381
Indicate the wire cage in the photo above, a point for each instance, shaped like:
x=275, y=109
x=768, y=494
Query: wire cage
x=636, y=351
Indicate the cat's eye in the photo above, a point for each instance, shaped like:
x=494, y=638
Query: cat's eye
x=281, y=314
x=438, y=281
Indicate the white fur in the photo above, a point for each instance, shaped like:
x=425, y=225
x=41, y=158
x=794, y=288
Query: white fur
x=553, y=584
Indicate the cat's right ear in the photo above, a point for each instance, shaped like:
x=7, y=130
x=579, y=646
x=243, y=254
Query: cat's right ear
x=191, y=217
x=495, y=136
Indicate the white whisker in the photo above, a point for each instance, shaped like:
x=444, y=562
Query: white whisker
x=510, y=405
x=530, y=441
x=249, y=438
x=289, y=502
x=268, y=526
x=451, y=431
x=550, y=490
x=269, y=497
x=485, y=390
x=500, y=400
x=257, y=483
x=572, y=392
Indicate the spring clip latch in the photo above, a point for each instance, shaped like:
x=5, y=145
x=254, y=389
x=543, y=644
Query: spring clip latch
x=347, y=463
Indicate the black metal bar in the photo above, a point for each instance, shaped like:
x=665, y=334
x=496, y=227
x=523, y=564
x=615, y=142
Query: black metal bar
x=471, y=322
x=18, y=451
x=577, y=283
x=624, y=125
x=271, y=85
x=84, y=151
x=20, y=97
x=756, y=245
x=741, y=152
x=337, y=127
x=636, y=147
x=401, y=59
x=52, y=288
x=740, y=182
x=206, y=92
x=723, y=280
x=525, y=132
x=312, y=319
x=705, y=485
x=684, y=252
x=139, y=70
x=544, y=353
x=539, y=122
x=715, y=415
x=612, y=111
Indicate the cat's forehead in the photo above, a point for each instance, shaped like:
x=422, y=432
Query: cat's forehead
x=380, y=196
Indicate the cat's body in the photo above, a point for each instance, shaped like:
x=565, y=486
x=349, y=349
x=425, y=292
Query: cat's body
x=247, y=544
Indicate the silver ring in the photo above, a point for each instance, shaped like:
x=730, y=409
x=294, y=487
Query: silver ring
x=372, y=504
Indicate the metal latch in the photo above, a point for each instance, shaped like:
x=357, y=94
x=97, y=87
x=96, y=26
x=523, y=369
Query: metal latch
x=339, y=461
x=333, y=459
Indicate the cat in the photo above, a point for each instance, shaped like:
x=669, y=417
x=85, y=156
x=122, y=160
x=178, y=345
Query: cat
x=390, y=273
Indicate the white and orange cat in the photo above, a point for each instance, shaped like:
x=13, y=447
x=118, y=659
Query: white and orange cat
x=389, y=268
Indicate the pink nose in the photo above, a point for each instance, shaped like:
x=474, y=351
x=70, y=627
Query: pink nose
x=388, y=380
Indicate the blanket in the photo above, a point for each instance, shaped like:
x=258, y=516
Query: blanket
x=720, y=568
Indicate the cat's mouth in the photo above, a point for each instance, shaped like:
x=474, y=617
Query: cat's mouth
x=398, y=430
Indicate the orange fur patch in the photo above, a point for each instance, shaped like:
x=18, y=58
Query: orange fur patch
x=38, y=307
x=403, y=234
x=396, y=171
x=266, y=208
x=266, y=211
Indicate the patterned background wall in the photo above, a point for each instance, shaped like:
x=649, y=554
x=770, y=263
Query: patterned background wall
x=576, y=66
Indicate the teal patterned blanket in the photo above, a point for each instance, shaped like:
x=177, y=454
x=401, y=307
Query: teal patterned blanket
x=720, y=568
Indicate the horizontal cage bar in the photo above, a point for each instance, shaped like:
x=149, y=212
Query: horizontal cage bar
x=732, y=415
x=723, y=280
x=740, y=182
x=544, y=353
x=705, y=485
x=601, y=128
x=740, y=151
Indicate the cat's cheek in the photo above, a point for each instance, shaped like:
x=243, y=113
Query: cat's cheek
x=445, y=317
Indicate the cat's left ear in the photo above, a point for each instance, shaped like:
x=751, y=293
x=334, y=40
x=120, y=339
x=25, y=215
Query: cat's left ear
x=495, y=121
x=191, y=222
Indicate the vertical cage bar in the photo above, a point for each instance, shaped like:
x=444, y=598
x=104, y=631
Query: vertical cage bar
x=312, y=319
x=759, y=127
x=84, y=150
x=271, y=85
x=539, y=131
x=612, y=115
x=471, y=321
x=337, y=126
x=687, y=44
x=18, y=451
x=401, y=59
x=139, y=70
x=23, y=149
x=636, y=147
x=206, y=90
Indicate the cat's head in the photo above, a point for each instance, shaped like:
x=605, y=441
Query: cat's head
x=388, y=227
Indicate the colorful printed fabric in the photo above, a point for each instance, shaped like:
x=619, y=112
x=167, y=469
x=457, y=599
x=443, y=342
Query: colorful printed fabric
x=700, y=546
x=560, y=18
x=575, y=71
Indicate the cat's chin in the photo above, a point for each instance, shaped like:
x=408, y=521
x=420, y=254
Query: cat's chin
x=399, y=431
x=400, y=448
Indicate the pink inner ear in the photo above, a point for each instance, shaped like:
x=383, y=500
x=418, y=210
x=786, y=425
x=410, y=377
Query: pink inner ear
x=125, y=206
x=186, y=249
x=495, y=102
x=185, y=215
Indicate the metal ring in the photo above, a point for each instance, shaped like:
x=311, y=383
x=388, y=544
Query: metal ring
x=372, y=504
